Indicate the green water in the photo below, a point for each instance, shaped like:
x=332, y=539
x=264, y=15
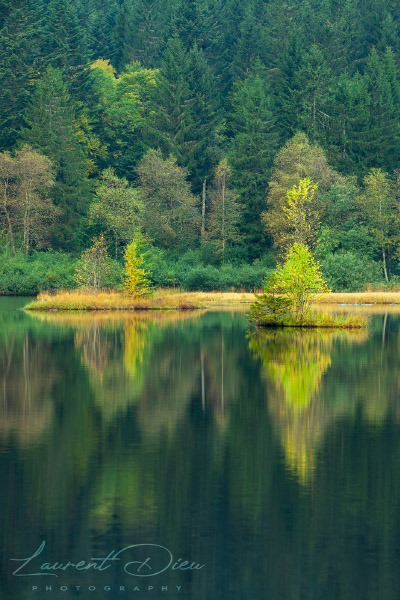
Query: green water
x=271, y=460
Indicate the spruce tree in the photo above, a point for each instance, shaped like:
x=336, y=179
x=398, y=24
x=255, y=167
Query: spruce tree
x=206, y=116
x=347, y=138
x=171, y=124
x=98, y=18
x=51, y=129
x=253, y=142
x=248, y=47
x=382, y=83
x=66, y=44
x=142, y=29
x=19, y=63
x=287, y=92
x=313, y=82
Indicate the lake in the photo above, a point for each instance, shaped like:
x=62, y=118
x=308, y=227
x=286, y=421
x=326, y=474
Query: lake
x=175, y=455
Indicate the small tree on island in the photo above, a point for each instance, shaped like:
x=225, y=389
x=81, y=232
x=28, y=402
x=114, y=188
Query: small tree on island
x=93, y=267
x=290, y=291
x=136, y=276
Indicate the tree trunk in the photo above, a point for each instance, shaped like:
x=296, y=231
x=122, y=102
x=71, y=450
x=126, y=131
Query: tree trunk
x=384, y=265
x=10, y=231
x=203, y=211
x=223, y=220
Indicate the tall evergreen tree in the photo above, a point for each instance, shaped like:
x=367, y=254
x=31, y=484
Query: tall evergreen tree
x=172, y=120
x=313, y=82
x=347, y=138
x=383, y=86
x=253, y=144
x=66, y=43
x=248, y=47
x=19, y=52
x=206, y=114
x=142, y=29
x=50, y=128
x=98, y=18
x=287, y=92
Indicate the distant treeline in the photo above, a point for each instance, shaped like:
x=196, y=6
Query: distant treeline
x=193, y=119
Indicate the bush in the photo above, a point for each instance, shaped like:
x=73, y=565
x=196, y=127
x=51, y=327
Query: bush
x=350, y=272
x=23, y=275
x=190, y=273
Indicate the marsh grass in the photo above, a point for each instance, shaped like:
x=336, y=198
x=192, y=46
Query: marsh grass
x=372, y=297
x=322, y=320
x=164, y=299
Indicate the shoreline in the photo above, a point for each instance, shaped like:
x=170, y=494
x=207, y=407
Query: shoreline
x=166, y=299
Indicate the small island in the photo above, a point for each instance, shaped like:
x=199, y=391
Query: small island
x=290, y=293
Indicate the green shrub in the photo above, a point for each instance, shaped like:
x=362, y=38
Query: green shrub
x=350, y=272
x=23, y=275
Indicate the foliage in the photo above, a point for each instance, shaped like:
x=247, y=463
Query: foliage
x=349, y=271
x=378, y=206
x=224, y=214
x=296, y=161
x=252, y=134
x=169, y=215
x=25, y=182
x=115, y=208
x=94, y=268
x=156, y=93
x=120, y=107
x=51, y=128
x=301, y=216
x=23, y=275
x=291, y=290
x=136, y=276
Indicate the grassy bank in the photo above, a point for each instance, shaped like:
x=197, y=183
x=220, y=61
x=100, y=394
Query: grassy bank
x=163, y=299
x=170, y=299
x=360, y=298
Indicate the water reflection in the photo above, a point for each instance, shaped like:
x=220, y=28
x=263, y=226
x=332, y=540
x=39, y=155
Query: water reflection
x=274, y=459
x=295, y=362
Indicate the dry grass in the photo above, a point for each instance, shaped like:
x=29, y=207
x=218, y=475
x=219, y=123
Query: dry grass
x=361, y=298
x=113, y=300
x=167, y=299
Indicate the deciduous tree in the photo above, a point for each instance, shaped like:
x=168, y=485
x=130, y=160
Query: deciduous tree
x=170, y=214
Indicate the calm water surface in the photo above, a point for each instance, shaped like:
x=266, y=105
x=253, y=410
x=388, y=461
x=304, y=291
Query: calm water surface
x=272, y=460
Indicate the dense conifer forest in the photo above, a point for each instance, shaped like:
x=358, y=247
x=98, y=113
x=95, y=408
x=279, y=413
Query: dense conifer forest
x=191, y=120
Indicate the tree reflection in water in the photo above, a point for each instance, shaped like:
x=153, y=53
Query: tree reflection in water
x=294, y=364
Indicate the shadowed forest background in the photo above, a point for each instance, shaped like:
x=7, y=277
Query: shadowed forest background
x=191, y=120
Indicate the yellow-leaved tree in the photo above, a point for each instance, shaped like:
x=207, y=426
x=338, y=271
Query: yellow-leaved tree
x=136, y=276
x=300, y=213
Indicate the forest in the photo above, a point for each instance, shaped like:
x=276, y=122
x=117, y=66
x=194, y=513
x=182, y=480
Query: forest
x=192, y=122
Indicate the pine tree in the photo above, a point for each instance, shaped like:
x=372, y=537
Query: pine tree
x=66, y=44
x=382, y=83
x=18, y=66
x=51, y=129
x=253, y=142
x=171, y=125
x=206, y=117
x=142, y=29
x=314, y=80
x=287, y=92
